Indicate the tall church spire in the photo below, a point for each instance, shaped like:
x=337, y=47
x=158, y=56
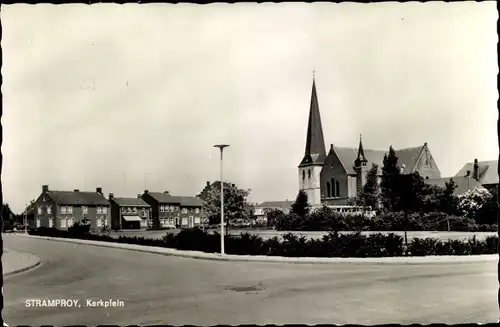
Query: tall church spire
x=315, y=153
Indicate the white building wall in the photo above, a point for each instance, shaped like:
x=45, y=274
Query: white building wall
x=311, y=186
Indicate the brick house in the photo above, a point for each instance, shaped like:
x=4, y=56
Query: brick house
x=174, y=211
x=129, y=213
x=485, y=172
x=62, y=209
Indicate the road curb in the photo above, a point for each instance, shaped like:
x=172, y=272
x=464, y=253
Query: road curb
x=276, y=259
x=24, y=269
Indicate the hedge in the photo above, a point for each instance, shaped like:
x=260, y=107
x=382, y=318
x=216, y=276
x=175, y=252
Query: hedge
x=291, y=245
x=393, y=221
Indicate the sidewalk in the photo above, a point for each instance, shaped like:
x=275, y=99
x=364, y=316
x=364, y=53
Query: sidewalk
x=14, y=262
x=276, y=259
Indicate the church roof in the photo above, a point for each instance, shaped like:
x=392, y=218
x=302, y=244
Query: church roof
x=407, y=156
x=463, y=183
x=488, y=171
x=315, y=152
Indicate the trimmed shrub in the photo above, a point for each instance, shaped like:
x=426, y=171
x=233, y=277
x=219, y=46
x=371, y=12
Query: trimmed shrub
x=334, y=244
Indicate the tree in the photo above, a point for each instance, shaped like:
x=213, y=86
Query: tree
x=472, y=200
x=390, y=183
x=412, y=193
x=369, y=196
x=487, y=213
x=301, y=206
x=273, y=216
x=235, y=203
x=448, y=202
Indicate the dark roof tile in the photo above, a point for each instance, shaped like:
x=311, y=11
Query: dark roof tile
x=78, y=198
x=136, y=202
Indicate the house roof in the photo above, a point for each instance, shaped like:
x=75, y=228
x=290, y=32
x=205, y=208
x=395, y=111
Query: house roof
x=407, y=156
x=275, y=204
x=488, y=171
x=463, y=183
x=135, y=202
x=78, y=198
x=184, y=201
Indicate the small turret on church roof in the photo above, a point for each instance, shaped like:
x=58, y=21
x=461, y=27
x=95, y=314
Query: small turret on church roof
x=315, y=152
x=361, y=154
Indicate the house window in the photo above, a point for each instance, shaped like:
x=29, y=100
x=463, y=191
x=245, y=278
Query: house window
x=163, y=222
x=63, y=223
x=197, y=220
x=303, y=174
x=98, y=223
x=309, y=173
x=172, y=208
x=105, y=210
x=143, y=211
x=337, y=188
x=197, y=210
x=63, y=210
x=184, y=210
x=69, y=210
x=38, y=223
x=328, y=190
x=134, y=210
x=104, y=222
x=124, y=209
x=99, y=210
x=49, y=210
x=162, y=208
x=129, y=210
x=70, y=221
x=39, y=210
x=85, y=210
x=51, y=222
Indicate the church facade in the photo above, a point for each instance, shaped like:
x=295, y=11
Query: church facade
x=333, y=178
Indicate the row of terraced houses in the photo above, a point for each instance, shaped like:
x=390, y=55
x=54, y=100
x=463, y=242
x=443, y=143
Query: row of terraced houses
x=62, y=209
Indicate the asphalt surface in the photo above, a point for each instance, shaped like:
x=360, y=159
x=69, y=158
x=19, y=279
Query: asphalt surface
x=159, y=289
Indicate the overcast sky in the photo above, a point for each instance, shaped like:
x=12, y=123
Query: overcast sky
x=100, y=95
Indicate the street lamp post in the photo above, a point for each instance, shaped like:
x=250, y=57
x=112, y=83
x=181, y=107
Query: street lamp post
x=26, y=220
x=221, y=147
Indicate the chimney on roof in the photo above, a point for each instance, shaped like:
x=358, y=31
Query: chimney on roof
x=98, y=190
x=233, y=185
x=76, y=190
x=111, y=196
x=139, y=196
x=166, y=192
x=475, y=173
x=45, y=188
x=146, y=191
x=208, y=184
x=467, y=173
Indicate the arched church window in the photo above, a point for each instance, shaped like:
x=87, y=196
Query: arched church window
x=337, y=188
x=303, y=174
x=309, y=173
x=328, y=190
x=332, y=185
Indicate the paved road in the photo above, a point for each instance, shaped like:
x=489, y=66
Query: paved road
x=170, y=290
x=266, y=234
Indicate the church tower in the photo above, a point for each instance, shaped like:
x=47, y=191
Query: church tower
x=314, y=158
x=360, y=167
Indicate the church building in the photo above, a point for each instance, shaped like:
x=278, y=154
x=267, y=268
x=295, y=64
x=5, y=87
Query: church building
x=333, y=178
